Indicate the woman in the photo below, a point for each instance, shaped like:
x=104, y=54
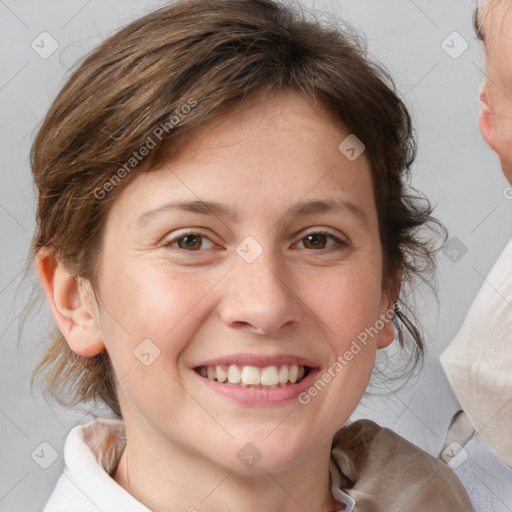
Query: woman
x=223, y=235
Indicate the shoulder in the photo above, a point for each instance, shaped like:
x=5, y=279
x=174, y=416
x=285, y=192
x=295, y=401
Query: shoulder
x=91, y=454
x=384, y=471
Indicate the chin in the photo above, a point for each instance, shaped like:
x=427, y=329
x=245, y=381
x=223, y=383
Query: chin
x=259, y=455
x=273, y=463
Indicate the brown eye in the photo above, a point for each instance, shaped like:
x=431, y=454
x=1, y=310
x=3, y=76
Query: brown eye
x=315, y=241
x=319, y=241
x=191, y=242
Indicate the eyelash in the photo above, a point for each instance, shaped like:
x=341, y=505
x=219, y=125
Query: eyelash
x=339, y=245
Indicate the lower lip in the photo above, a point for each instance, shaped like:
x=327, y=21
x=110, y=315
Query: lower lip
x=264, y=397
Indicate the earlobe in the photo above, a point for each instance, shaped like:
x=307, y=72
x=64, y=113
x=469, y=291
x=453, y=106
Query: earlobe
x=72, y=304
x=386, y=334
x=487, y=120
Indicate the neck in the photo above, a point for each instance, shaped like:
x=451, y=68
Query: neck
x=168, y=478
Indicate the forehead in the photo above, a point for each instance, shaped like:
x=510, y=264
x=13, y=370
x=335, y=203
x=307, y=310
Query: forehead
x=284, y=131
x=497, y=25
x=273, y=154
x=495, y=17
x=285, y=111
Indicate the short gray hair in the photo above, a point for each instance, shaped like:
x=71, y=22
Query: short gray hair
x=482, y=20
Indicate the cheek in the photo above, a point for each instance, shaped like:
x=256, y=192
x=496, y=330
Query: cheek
x=349, y=307
x=152, y=316
x=504, y=145
x=501, y=107
x=349, y=310
x=348, y=301
x=505, y=138
x=151, y=304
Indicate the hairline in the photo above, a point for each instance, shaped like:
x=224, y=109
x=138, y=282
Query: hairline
x=484, y=21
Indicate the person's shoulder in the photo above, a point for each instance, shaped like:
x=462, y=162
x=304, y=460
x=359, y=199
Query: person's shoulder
x=91, y=454
x=384, y=471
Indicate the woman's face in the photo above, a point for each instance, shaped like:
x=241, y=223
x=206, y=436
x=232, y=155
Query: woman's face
x=253, y=254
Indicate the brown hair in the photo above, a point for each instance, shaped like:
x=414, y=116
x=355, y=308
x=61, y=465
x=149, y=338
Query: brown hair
x=212, y=56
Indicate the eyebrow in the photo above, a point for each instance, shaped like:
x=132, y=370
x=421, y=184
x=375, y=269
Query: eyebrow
x=306, y=207
x=216, y=209
x=200, y=207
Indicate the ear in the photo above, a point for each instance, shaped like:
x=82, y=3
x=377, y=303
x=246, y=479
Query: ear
x=487, y=119
x=386, y=334
x=72, y=303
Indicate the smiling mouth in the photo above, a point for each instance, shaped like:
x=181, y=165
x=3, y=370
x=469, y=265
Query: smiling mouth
x=268, y=377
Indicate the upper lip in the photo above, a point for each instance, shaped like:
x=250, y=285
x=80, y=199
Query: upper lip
x=258, y=360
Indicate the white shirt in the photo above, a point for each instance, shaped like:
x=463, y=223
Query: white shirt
x=478, y=362
x=486, y=478
x=85, y=484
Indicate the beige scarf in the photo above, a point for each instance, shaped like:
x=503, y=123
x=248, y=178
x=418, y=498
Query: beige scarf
x=385, y=473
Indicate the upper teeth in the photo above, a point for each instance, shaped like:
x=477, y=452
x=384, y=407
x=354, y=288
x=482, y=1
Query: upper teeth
x=252, y=375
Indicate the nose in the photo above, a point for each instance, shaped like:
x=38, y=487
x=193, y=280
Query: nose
x=259, y=297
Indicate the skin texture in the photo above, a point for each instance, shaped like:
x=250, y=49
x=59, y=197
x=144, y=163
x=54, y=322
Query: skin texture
x=496, y=92
x=295, y=298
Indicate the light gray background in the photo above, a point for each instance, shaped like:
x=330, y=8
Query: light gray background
x=455, y=169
